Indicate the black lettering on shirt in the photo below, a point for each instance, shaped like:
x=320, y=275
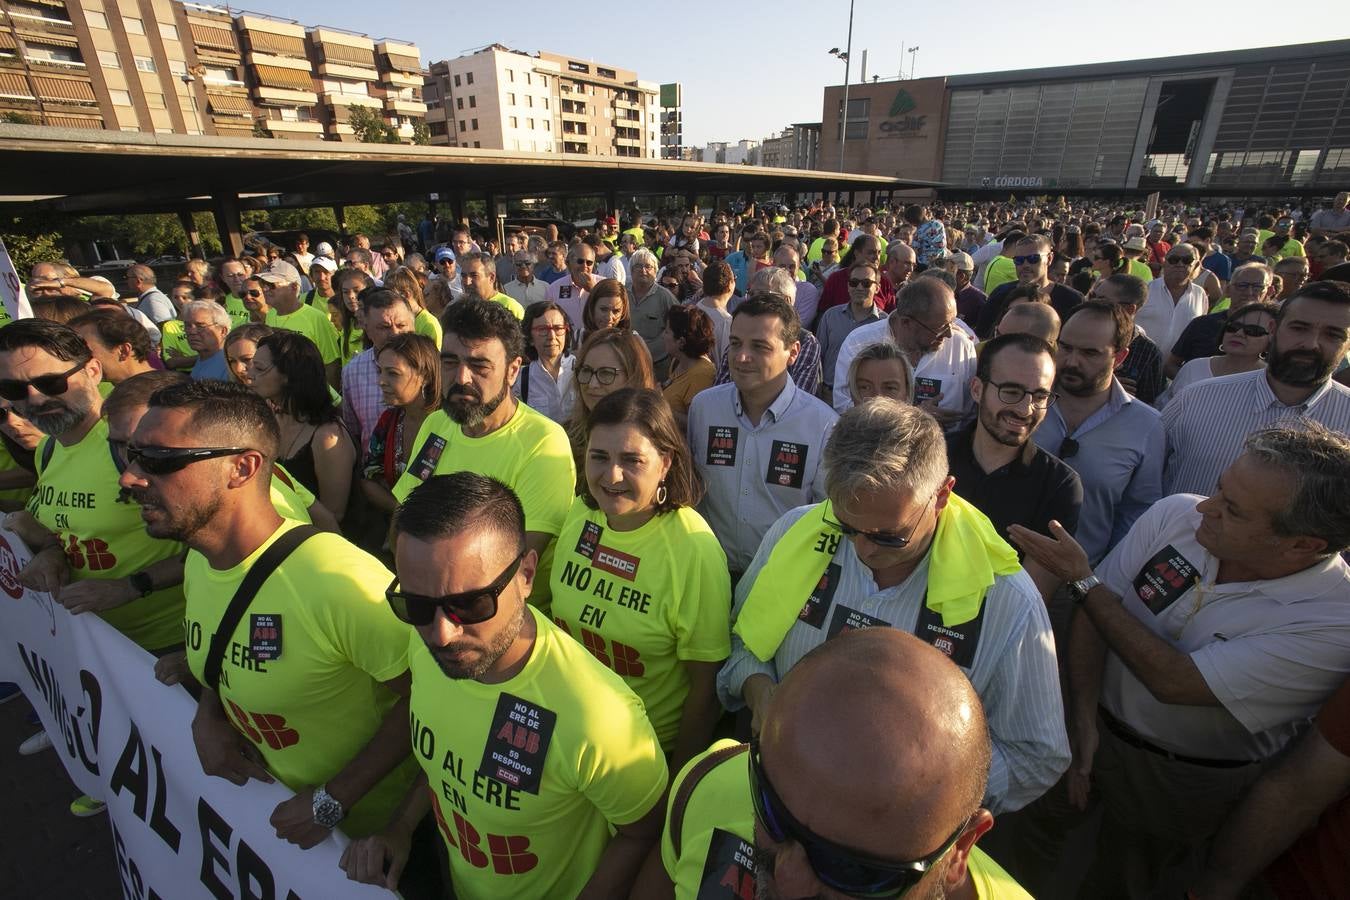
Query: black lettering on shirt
x=517, y=743
x=845, y=619
x=728, y=869
x=424, y=465
x=787, y=464
x=957, y=641
x=1164, y=579
x=926, y=389
x=818, y=604
x=722, y=445
x=589, y=539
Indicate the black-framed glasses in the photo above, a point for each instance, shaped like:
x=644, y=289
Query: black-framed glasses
x=860, y=282
x=1251, y=331
x=1011, y=393
x=604, y=374
x=840, y=868
x=893, y=540
x=944, y=332
x=1031, y=259
x=253, y=293
x=464, y=608
x=53, y=385
x=167, y=460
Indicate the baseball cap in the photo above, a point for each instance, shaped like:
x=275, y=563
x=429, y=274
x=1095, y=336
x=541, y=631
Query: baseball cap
x=443, y=254
x=325, y=263
x=324, y=249
x=280, y=272
x=963, y=261
x=610, y=220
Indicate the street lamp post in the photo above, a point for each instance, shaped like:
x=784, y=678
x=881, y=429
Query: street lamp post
x=843, y=112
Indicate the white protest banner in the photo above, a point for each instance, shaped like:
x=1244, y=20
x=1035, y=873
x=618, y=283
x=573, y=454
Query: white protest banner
x=11, y=288
x=125, y=738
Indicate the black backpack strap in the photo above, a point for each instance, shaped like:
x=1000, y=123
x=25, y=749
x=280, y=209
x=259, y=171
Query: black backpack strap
x=257, y=574
x=525, y=384
x=45, y=457
x=681, y=802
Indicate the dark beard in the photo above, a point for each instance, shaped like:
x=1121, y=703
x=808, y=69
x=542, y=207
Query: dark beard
x=473, y=413
x=500, y=644
x=58, y=421
x=1298, y=368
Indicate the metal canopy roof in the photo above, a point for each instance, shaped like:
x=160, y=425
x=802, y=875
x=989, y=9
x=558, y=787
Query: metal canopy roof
x=80, y=171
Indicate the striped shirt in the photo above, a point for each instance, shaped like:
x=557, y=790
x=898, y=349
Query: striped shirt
x=1014, y=669
x=1208, y=422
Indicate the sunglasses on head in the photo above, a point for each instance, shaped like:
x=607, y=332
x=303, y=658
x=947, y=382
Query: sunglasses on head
x=1031, y=259
x=464, y=608
x=839, y=868
x=1251, y=331
x=166, y=460
x=53, y=385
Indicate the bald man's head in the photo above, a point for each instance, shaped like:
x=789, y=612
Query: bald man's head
x=1039, y=319
x=877, y=742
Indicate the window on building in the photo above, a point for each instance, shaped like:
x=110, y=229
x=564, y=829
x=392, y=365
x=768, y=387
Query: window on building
x=436, y=128
x=476, y=144
x=515, y=123
x=606, y=73
x=133, y=26
x=529, y=101
x=153, y=100
x=545, y=103
x=468, y=78
x=120, y=98
x=96, y=19
x=168, y=31
x=219, y=74
x=529, y=123
x=473, y=102
x=109, y=59
x=456, y=81
x=459, y=103
x=543, y=82
x=475, y=124
x=178, y=67
x=573, y=66
x=461, y=125
x=510, y=99
x=510, y=75
x=146, y=64
x=548, y=126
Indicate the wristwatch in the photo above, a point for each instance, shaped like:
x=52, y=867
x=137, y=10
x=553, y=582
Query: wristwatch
x=1079, y=589
x=327, y=811
x=141, y=583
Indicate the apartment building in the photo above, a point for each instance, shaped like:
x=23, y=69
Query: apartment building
x=169, y=66
x=504, y=99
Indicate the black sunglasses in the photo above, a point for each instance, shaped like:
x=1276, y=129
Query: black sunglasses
x=1251, y=331
x=51, y=385
x=860, y=282
x=1181, y=260
x=839, y=868
x=1033, y=259
x=166, y=460
x=465, y=608
x=890, y=539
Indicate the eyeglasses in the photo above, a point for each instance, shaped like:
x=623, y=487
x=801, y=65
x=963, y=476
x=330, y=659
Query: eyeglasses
x=167, y=460
x=944, y=331
x=839, y=868
x=583, y=262
x=199, y=326
x=604, y=374
x=1251, y=331
x=1181, y=260
x=1247, y=286
x=254, y=293
x=549, y=329
x=464, y=608
x=889, y=539
x=1012, y=393
x=860, y=282
x=1031, y=259
x=53, y=385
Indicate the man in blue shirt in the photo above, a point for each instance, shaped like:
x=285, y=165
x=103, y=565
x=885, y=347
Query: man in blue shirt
x=205, y=324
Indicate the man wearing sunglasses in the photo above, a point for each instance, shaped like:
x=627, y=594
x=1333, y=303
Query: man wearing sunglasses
x=532, y=750
x=1031, y=257
x=738, y=817
x=570, y=291
x=1174, y=299
x=313, y=682
x=482, y=428
x=1207, y=423
x=873, y=555
x=525, y=288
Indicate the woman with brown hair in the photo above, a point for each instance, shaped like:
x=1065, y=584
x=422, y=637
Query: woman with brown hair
x=606, y=307
x=609, y=360
x=688, y=336
x=410, y=385
x=405, y=282
x=634, y=530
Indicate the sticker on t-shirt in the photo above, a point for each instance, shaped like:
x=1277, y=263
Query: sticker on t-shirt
x=264, y=636
x=564, y=291
x=589, y=539
x=927, y=389
x=517, y=743
x=424, y=465
x=1164, y=579
x=616, y=562
x=722, y=445
x=845, y=619
x=818, y=604
x=728, y=869
x=787, y=464
x=957, y=641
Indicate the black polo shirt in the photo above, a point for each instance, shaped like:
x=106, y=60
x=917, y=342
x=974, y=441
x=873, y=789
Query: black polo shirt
x=1062, y=297
x=1030, y=491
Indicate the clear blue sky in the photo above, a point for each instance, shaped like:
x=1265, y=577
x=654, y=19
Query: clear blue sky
x=750, y=68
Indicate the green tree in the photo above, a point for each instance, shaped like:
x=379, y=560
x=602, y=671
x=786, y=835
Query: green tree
x=9, y=117
x=370, y=127
x=421, y=133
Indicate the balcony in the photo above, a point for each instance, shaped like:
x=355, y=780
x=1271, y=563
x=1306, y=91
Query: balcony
x=333, y=98
x=573, y=116
x=295, y=129
x=258, y=58
x=401, y=79
x=405, y=107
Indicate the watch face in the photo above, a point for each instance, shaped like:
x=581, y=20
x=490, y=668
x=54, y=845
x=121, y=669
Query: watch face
x=327, y=811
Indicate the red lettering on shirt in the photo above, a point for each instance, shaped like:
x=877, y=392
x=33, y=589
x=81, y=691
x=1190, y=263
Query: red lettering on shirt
x=510, y=853
x=618, y=657
x=92, y=554
x=264, y=728
x=519, y=737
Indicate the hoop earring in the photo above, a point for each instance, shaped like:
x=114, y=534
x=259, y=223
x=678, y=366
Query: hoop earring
x=661, y=493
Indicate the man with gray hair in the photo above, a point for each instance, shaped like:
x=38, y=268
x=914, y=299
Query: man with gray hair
x=805, y=297
x=923, y=325
x=149, y=299
x=1202, y=645
x=648, y=302
x=872, y=555
x=205, y=324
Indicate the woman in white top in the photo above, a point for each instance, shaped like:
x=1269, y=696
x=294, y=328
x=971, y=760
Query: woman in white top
x=544, y=385
x=1246, y=335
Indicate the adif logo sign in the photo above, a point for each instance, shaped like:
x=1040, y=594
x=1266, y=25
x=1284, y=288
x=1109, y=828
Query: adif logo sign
x=900, y=122
x=902, y=104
